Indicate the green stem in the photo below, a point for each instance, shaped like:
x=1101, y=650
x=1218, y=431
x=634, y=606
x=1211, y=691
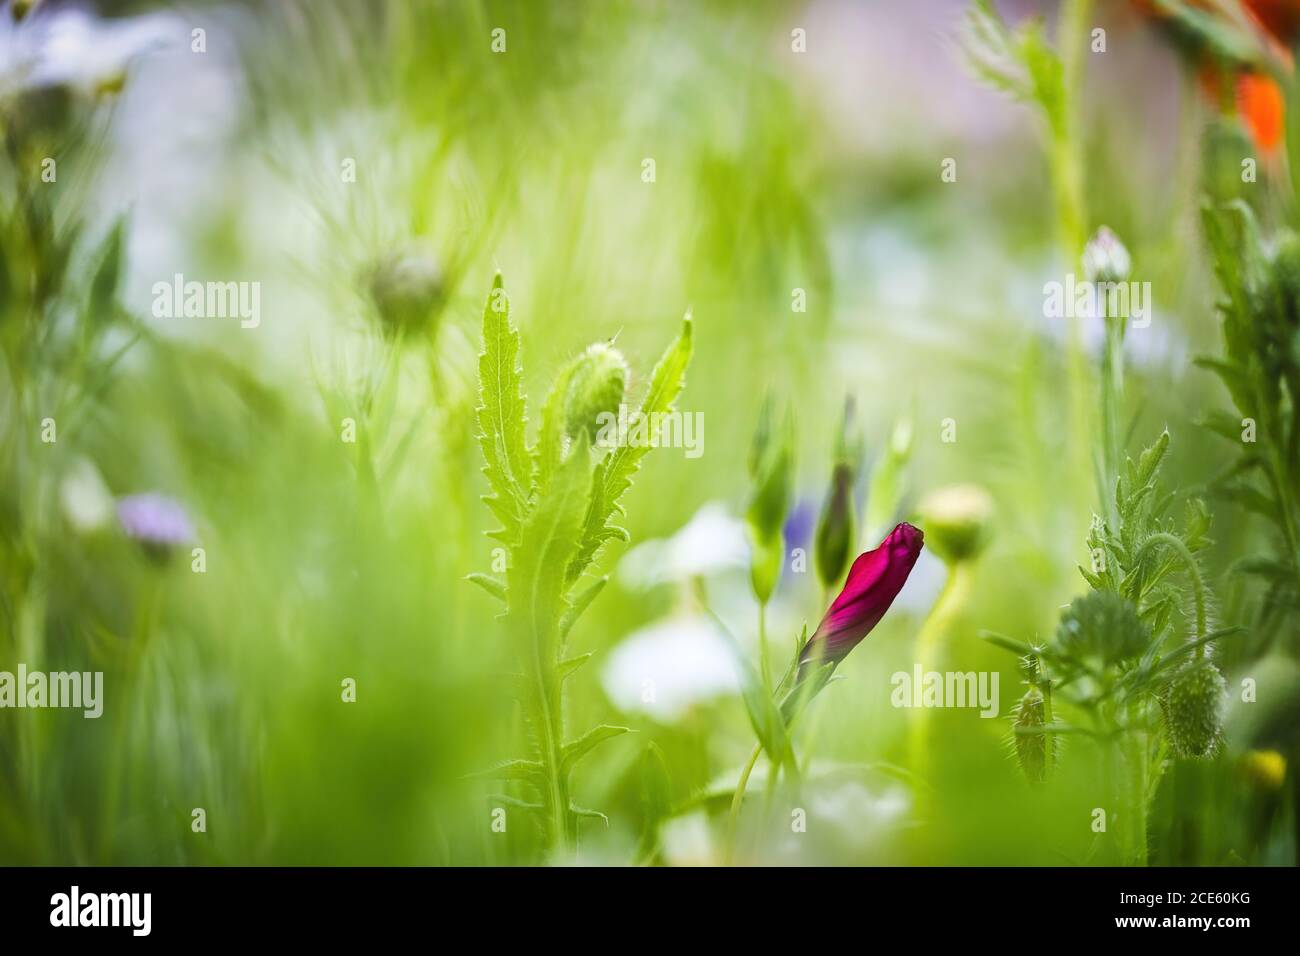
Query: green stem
x=1134, y=771
x=930, y=650
x=1176, y=545
x=733, y=817
x=1064, y=153
x=1112, y=398
x=764, y=666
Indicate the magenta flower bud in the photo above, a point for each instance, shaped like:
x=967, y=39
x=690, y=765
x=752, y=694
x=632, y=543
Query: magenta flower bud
x=874, y=581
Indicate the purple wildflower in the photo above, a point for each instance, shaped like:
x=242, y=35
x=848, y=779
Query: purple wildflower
x=157, y=522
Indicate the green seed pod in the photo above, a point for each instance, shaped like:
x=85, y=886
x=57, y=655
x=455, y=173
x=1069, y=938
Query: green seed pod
x=1193, y=708
x=1102, y=627
x=407, y=290
x=1031, y=748
x=596, y=388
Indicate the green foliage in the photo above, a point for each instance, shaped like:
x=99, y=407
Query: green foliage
x=1260, y=369
x=502, y=417
x=614, y=472
x=1125, y=559
x=1020, y=62
x=554, y=505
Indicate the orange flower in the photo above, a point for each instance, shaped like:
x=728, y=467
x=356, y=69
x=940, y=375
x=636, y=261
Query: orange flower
x=1259, y=100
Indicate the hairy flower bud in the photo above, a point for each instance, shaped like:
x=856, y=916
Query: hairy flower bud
x=596, y=387
x=1031, y=746
x=1102, y=627
x=406, y=287
x=1193, y=708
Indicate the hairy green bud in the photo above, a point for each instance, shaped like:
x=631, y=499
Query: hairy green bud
x=596, y=387
x=407, y=290
x=1103, y=627
x=1193, y=708
x=1031, y=748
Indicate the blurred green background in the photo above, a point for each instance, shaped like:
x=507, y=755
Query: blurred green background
x=774, y=170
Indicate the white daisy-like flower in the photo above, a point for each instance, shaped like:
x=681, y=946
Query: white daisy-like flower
x=669, y=667
x=72, y=47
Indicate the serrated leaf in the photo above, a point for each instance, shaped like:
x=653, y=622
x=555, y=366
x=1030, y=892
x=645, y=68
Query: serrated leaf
x=493, y=586
x=614, y=474
x=511, y=770
x=588, y=813
x=579, y=605
x=576, y=750
x=567, y=667
x=502, y=415
x=1148, y=463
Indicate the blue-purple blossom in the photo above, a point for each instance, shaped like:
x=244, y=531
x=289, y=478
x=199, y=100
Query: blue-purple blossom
x=154, y=520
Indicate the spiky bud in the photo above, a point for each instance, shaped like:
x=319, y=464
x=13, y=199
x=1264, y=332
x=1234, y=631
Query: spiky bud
x=1102, y=627
x=1193, y=708
x=1031, y=746
x=596, y=388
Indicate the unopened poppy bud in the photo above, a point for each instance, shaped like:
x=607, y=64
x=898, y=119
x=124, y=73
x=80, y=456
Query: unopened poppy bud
x=957, y=520
x=407, y=289
x=873, y=582
x=596, y=388
x=1193, y=708
x=835, y=527
x=1105, y=259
